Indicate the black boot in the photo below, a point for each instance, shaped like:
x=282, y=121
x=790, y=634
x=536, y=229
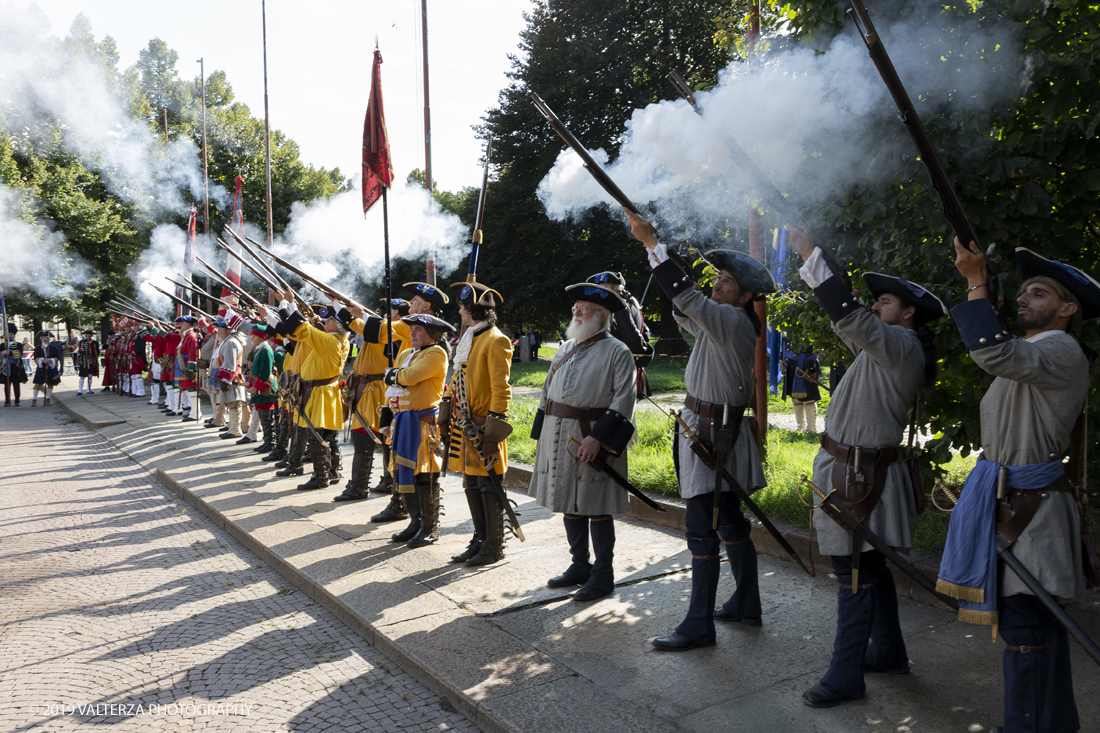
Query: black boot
x=412, y=509
x=697, y=629
x=320, y=477
x=492, y=549
x=385, y=484
x=601, y=582
x=744, y=604
x=854, y=616
x=278, y=451
x=477, y=516
x=360, y=476
x=576, y=533
x=394, y=512
x=335, y=460
x=267, y=424
x=427, y=495
x=293, y=462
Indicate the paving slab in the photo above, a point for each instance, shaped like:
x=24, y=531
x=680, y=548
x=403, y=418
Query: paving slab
x=516, y=656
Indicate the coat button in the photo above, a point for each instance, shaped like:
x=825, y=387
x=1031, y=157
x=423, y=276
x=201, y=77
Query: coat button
x=982, y=341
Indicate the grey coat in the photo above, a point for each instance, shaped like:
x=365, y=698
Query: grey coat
x=1027, y=416
x=719, y=370
x=227, y=355
x=601, y=375
x=870, y=409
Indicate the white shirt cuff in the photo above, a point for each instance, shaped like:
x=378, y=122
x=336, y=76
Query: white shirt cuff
x=657, y=255
x=290, y=306
x=814, y=271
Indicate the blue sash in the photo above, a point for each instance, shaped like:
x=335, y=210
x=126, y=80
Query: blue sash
x=406, y=444
x=968, y=570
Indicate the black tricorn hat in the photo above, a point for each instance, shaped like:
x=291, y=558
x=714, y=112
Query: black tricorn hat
x=429, y=322
x=430, y=293
x=398, y=304
x=751, y=276
x=608, y=277
x=40, y=334
x=475, y=293
x=928, y=306
x=89, y=332
x=599, y=294
x=1083, y=286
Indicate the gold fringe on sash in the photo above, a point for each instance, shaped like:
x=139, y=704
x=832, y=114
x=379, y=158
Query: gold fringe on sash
x=985, y=618
x=962, y=592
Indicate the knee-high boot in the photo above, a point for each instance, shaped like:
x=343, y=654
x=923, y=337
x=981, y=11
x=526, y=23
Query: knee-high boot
x=886, y=650
x=335, y=460
x=744, y=604
x=395, y=510
x=576, y=534
x=279, y=443
x=412, y=511
x=294, y=456
x=491, y=548
x=706, y=565
x=601, y=582
x=477, y=517
x=361, y=464
x=428, y=495
x=320, y=477
x=267, y=425
x=385, y=483
x=854, y=614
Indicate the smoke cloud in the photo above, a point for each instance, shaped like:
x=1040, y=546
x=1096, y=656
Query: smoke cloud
x=35, y=256
x=815, y=122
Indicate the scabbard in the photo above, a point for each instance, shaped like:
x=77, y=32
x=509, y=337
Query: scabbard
x=498, y=487
x=631, y=488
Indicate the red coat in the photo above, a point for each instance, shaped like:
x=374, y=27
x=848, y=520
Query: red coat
x=187, y=353
x=171, y=344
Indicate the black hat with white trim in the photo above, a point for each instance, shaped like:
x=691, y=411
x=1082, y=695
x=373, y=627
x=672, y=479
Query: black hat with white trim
x=475, y=293
x=599, y=294
x=751, y=276
x=429, y=323
x=1083, y=286
x=928, y=306
x=430, y=293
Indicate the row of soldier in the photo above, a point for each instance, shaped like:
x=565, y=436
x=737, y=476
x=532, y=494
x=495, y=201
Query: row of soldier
x=421, y=423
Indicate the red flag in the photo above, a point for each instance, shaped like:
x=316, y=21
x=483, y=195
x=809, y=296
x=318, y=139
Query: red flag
x=233, y=265
x=188, y=258
x=377, y=164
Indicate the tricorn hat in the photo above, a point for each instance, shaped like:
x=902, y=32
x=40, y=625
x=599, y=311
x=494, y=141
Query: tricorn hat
x=610, y=278
x=398, y=304
x=600, y=294
x=89, y=332
x=928, y=306
x=430, y=293
x=1083, y=286
x=40, y=334
x=751, y=275
x=187, y=319
x=429, y=322
x=475, y=293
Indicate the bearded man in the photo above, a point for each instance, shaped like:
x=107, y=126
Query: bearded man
x=585, y=419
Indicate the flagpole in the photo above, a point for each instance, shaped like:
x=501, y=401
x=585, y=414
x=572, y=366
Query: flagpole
x=389, y=279
x=430, y=264
x=267, y=149
x=205, y=177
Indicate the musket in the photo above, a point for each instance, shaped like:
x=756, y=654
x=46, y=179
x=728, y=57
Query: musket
x=260, y=274
x=476, y=236
x=472, y=432
x=182, y=302
x=786, y=210
x=844, y=516
x=323, y=287
x=589, y=163
x=198, y=290
x=7, y=346
x=131, y=310
x=618, y=478
x=132, y=304
x=227, y=283
x=705, y=453
x=949, y=200
x=282, y=394
x=244, y=242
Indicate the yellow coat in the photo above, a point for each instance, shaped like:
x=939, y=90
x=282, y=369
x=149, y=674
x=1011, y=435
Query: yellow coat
x=372, y=360
x=423, y=378
x=487, y=371
x=325, y=360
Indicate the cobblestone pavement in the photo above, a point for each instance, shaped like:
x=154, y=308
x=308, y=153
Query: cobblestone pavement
x=114, y=594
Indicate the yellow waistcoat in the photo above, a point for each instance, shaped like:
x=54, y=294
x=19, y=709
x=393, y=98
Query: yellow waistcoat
x=487, y=371
x=326, y=357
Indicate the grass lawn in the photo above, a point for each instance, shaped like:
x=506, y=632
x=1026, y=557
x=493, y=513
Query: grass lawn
x=790, y=454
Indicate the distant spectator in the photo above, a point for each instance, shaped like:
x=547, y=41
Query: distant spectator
x=801, y=378
x=28, y=356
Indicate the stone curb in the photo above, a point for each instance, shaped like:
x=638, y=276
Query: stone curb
x=87, y=421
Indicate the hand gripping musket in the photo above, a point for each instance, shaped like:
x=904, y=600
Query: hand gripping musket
x=323, y=287
x=949, y=200
x=601, y=465
x=706, y=455
x=843, y=516
x=228, y=284
x=786, y=210
x=589, y=163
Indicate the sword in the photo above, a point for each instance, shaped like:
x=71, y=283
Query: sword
x=621, y=481
x=309, y=423
x=844, y=517
x=494, y=477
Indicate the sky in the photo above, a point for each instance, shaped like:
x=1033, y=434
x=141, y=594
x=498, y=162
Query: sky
x=318, y=63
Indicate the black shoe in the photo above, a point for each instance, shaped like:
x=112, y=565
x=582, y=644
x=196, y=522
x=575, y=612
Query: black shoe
x=350, y=494
x=314, y=483
x=823, y=696
x=227, y=435
x=563, y=581
x=211, y=425
x=263, y=448
x=471, y=550
x=677, y=642
x=588, y=593
x=245, y=440
x=289, y=471
x=274, y=456
x=389, y=514
x=721, y=614
x=189, y=419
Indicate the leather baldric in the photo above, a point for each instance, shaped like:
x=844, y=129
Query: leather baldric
x=708, y=413
x=859, y=474
x=357, y=384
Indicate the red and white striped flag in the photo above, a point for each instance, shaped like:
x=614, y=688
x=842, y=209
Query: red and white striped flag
x=233, y=266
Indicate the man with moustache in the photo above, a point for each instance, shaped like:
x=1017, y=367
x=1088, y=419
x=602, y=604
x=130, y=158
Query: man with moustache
x=860, y=459
x=1018, y=493
x=414, y=388
x=479, y=398
x=585, y=419
x=719, y=375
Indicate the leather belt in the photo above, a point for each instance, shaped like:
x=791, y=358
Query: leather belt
x=1027, y=649
x=584, y=415
x=311, y=383
x=705, y=410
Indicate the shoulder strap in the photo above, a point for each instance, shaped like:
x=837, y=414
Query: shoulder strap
x=569, y=355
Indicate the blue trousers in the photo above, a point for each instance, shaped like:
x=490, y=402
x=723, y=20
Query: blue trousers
x=1038, y=683
x=868, y=633
x=704, y=542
